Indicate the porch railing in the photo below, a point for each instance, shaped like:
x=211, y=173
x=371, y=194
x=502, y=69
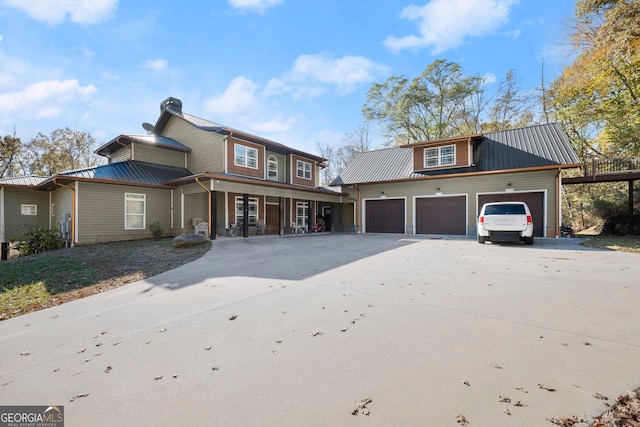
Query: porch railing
x=612, y=165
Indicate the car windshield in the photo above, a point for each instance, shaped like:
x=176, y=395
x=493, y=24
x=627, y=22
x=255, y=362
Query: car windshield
x=516, y=209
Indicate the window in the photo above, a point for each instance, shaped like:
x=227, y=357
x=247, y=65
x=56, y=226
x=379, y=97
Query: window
x=302, y=213
x=246, y=156
x=440, y=156
x=304, y=169
x=134, y=211
x=29, y=210
x=272, y=168
x=253, y=211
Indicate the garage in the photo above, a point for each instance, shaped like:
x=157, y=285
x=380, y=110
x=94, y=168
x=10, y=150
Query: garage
x=535, y=201
x=441, y=215
x=385, y=216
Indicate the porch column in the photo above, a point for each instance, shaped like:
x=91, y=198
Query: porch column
x=245, y=215
x=281, y=216
x=213, y=211
x=310, y=217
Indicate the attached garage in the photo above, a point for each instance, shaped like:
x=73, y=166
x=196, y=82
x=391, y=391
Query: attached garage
x=385, y=216
x=441, y=215
x=535, y=201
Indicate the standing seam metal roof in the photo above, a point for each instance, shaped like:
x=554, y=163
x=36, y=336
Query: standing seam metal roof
x=533, y=146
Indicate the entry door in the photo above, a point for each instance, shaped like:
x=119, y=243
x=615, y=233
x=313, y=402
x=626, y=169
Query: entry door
x=273, y=219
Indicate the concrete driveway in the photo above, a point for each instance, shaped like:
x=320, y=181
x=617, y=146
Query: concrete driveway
x=429, y=329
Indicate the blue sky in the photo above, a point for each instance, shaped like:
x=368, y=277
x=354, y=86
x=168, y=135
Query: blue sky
x=294, y=71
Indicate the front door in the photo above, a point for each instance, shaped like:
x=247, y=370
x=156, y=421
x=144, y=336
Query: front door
x=273, y=219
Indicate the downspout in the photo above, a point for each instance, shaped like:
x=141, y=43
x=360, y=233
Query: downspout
x=558, y=203
x=73, y=209
x=208, y=205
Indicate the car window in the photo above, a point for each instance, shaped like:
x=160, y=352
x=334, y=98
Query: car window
x=504, y=210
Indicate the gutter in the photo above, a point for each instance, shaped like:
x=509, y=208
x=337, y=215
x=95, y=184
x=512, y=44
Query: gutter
x=73, y=209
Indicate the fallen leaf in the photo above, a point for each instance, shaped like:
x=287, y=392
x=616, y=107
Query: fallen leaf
x=175, y=376
x=465, y=382
x=162, y=330
x=159, y=377
x=462, y=420
x=215, y=368
x=504, y=399
x=524, y=390
x=361, y=407
x=233, y=317
x=25, y=353
x=315, y=334
x=600, y=396
x=506, y=411
x=544, y=387
x=208, y=347
x=520, y=404
x=108, y=369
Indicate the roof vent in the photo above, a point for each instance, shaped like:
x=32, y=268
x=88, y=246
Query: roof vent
x=174, y=103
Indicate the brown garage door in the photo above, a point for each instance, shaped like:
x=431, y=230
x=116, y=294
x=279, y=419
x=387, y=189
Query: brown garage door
x=384, y=216
x=534, y=200
x=441, y=215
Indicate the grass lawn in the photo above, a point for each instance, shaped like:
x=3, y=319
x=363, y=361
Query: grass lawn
x=615, y=243
x=44, y=280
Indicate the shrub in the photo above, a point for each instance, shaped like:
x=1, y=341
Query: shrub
x=39, y=239
x=156, y=230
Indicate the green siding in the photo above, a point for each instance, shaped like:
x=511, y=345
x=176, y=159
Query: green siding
x=120, y=155
x=101, y=212
x=16, y=224
x=207, y=147
x=161, y=156
x=470, y=186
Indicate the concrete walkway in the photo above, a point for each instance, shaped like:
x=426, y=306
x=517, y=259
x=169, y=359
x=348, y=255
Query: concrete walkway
x=296, y=330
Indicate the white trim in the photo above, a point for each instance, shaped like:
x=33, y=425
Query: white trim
x=304, y=170
x=246, y=157
x=136, y=197
x=442, y=196
x=181, y=209
x=76, y=228
x=172, y=207
x=364, y=211
x=439, y=156
x=267, y=168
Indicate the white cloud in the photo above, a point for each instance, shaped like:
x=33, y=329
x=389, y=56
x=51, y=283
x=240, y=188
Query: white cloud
x=56, y=11
x=44, y=99
x=259, y=6
x=446, y=24
x=310, y=75
x=238, y=98
x=156, y=64
x=490, y=78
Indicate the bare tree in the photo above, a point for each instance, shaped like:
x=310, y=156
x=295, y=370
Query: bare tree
x=326, y=151
x=354, y=143
x=9, y=150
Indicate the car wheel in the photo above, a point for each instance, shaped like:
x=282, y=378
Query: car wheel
x=482, y=239
x=528, y=240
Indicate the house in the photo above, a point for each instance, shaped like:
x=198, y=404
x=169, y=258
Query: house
x=192, y=175
x=186, y=174
x=438, y=187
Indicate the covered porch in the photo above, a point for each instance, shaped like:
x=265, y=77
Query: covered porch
x=220, y=205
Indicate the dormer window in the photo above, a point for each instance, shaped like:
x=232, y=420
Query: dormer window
x=272, y=168
x=245, y=156
x=303, y=169
x=440, y=156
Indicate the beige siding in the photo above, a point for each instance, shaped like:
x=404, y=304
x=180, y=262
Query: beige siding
x=121, y=155
x=102, y=207
x=61, y=200
x=470, y=186
x=161, y=156
x=207, y=147
x=16, y=224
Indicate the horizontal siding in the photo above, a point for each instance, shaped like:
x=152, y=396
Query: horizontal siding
x=207, y=147
x=16, y=224
x=470, y=186
x=158, y=155
x=121, y=155
x=101, y=212
x=62, y=201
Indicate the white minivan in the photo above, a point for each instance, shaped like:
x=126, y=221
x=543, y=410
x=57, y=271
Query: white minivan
x=505, y=222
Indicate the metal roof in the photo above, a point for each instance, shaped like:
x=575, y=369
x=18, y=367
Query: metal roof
x=153, y=140
x=23, y=180
x=533, y=146
x=130, y=171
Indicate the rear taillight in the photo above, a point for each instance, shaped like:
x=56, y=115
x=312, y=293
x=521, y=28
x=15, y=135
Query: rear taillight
x=529, y=220
x=481, y=220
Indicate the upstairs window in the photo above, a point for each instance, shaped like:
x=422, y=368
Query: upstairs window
x=440, y=156
x=245, y=156
x=272, y=168
x=303, y=169
x=134, y=211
